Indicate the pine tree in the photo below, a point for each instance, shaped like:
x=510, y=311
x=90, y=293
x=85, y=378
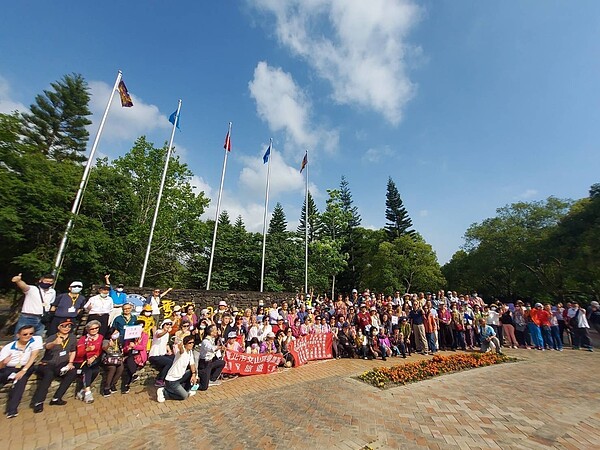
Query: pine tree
x=315, y=227
x=348, y=204
x=348, y=279
x=224, y=219
x=399, y=222
x=278, y=222
x=58, y=119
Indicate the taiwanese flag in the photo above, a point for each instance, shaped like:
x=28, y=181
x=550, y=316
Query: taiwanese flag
x=124, y=94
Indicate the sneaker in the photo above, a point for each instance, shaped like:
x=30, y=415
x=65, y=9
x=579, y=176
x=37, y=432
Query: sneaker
x=590, y=349
x=159, y=383
x=160, y=395
x=11, y=415
x=575, y=348
x=88, y=397
x=214, y=383
x=125, y=389
x=80, y=395
x=57, y=402
x=38, y=408
x=135, y=377
x=106, y=392
x=113, y=389
x=192, y=393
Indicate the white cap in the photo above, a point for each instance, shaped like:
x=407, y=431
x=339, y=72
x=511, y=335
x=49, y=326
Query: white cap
x=76, y=283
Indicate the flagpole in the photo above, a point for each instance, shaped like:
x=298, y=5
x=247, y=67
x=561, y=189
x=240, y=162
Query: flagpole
x=160, y=192
x=212, y=250
x=306, y=231
x=262, y=269
x=82, y=185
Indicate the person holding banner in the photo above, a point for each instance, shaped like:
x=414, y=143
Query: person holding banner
x=209, y=364
x=126, y=319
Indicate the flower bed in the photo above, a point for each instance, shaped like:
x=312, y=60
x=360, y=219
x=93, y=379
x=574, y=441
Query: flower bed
x=383, y=377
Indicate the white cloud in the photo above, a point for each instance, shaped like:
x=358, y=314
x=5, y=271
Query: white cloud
x=423, y=213
x=527, y=194
x=374, y=155
x=362, y=52
x=123, y=123
x=285, y=108
x=7, y=104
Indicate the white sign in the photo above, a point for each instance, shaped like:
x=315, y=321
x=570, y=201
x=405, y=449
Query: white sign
x=133, y=331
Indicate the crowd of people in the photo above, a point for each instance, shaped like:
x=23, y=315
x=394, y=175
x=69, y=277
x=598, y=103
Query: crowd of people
x=187, y=347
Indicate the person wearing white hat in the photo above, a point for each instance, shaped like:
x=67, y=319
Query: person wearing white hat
x=66, y=306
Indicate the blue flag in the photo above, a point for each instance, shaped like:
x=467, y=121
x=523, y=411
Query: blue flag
x=172, y=120
x=267, y=154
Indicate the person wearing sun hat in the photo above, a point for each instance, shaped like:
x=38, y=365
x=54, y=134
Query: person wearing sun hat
x=161, y=356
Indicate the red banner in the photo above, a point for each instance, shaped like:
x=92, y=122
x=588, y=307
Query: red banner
x=311, y=347
x=248, y=364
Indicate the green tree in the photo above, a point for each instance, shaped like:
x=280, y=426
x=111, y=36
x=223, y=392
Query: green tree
x=35, y=197
x=278, y=222
x=315, y=225
x=399, y=222
x=408, y=263
x=57, y=123
x=348, y=278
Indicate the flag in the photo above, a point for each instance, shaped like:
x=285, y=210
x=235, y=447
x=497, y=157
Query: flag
x=227, y=144
x=267, y=154
x=172, y=119
x=304, y=162
x=124, y=94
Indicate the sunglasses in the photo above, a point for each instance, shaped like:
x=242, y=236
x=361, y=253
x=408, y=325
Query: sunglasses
x=26, y=334
x=185, y=325
x=66, y=325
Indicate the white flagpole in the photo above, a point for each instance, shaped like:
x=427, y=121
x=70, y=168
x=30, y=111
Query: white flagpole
x=262, y=269
x=306, y=231
x=160, y=192
x=212, y=250
x=79, y=196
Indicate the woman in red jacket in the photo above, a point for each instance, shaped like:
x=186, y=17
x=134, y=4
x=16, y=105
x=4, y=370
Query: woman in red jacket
x=87, y=359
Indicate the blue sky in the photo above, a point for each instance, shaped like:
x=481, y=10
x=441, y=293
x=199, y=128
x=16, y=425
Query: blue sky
x=468, y=105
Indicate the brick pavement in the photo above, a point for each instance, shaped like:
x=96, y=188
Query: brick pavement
x=548, y=399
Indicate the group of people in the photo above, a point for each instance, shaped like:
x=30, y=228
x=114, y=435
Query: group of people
x=187, y=347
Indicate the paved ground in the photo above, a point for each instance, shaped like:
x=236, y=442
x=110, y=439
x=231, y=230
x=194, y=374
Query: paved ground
x=548, y=399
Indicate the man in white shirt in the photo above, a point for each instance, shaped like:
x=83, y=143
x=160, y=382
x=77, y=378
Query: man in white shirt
x=16, y=365
x=181, y=375
x=37, y=301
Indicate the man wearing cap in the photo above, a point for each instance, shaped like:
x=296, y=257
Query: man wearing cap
x=38, y=299
x=99, y=307
x=16, y=365
x=66, y=306
x=57, y=362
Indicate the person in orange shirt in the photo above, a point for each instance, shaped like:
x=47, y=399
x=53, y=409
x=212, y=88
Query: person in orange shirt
x=537, y=318
x=431, y=327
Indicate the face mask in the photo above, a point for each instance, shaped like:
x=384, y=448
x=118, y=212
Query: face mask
x=119, y=289
x=202, y=327
x=75, y=290
x=177, y=313
x=148, y=313
x=115, y=336
x=184, y=314
x=103, y=295
x=45, y=285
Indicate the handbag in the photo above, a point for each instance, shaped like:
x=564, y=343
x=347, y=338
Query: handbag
x=112, y=359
